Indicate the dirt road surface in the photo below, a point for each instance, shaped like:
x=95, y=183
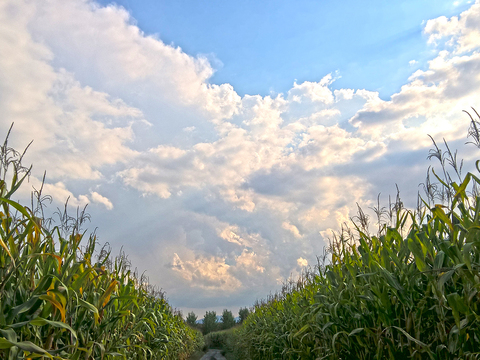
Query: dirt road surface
x=213, y=354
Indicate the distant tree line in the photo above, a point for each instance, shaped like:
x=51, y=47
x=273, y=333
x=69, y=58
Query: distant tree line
x=211, y=323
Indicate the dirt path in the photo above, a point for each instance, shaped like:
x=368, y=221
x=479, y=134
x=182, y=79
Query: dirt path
x=213, y=354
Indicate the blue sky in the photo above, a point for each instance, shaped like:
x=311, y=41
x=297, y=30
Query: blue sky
x=264, y=46
x=220, y=143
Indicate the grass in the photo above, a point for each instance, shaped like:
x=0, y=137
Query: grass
x=197, y=355
x=228, y=341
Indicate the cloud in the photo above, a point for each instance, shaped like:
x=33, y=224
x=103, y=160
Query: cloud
x=216, y=192
x=292, y=228
x=61, y=194
x=435, y=95
x=74, y=127
x=312, y=91
x=209, y=273
x=462, y=32
x=302, y=262
x=250, y=262
x=97, y=198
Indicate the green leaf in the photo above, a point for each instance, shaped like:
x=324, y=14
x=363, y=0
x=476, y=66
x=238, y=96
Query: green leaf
x=440, y=214
x=456, y=302
x=457, y=306
x=356, y=331
x=26, y=306
x=410, y=337
x=23, y=345
x=466, y=255
x=389, y=277
x=327, y=325
x=439, y=258
x=460, y=190
x=9, y=334
x=90, y=307
x=334, y=338
x=417, y=251
x=41, y=322
x=5, y=344
x=20, y=209
x=445, y=277
x=115, y=354
x=31, y=347
x=303, y=330
x=78, y=283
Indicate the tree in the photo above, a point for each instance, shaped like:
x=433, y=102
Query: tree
x=191, y=319
x=209, y=322
x=243, y=313
x=228, y=320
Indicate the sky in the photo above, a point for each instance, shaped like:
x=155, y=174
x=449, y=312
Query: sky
x=218, y=143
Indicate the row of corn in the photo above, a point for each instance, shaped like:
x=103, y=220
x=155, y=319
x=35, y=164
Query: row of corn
x=62, y=299
x=411, y=290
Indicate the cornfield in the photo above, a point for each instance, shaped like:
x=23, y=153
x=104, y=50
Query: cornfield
x=59, y=299
x=408, y=291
